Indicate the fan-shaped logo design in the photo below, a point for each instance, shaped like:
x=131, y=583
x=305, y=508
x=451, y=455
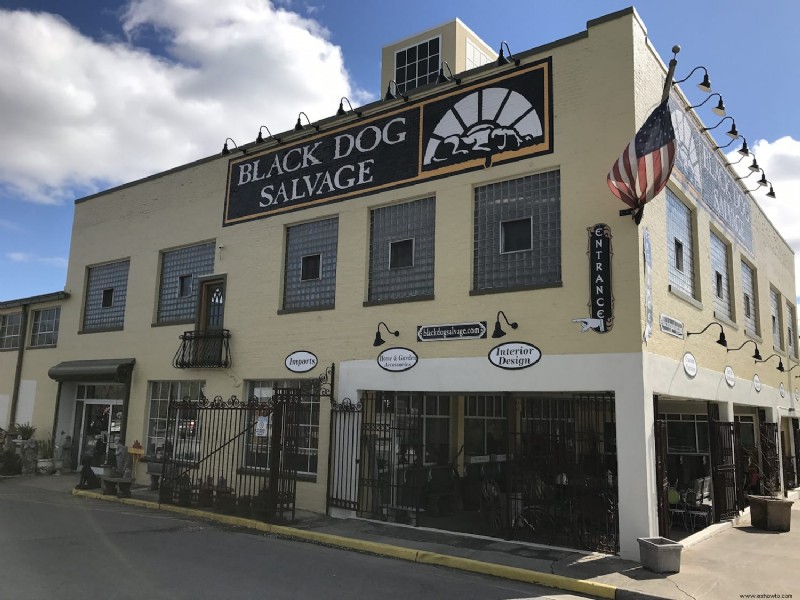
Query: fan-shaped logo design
x=487, y=122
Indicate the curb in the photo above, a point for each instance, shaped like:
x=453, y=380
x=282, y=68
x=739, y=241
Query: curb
x=561, y=582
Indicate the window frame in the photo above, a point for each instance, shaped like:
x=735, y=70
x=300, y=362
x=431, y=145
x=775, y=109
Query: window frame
x=318, y=268
x=393, y=255
x=310, y=397
x=41, y=337
x=10, y=341
x=503, y=235
x=179, y=385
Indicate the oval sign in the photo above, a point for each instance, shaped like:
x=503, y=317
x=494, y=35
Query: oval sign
x=690, y=364
x=782, y=390
x=730, y=377
x=757, y=383
x=514, y=355
x=300, y=361
x=397, y=359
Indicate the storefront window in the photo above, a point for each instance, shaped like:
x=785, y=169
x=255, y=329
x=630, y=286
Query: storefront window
x=485, y=427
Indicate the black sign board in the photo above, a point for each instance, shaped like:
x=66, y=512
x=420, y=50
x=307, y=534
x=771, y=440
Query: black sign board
x=601, y=303
x=452, y=331
x=491, y=121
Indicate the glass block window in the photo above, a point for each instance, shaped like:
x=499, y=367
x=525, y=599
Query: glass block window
x=257, y=452
x=44, y=331
x=106, y=290
x=720, y=278
x=161, y=392
x=791, y=333
x=9, y=330
x=418, y=65
x=401, y=250
x=310, y=275
x=475, y=56
x=180, y=270
x=507, y=214
x=749, y=299
x=680, y=245
x=775, y=314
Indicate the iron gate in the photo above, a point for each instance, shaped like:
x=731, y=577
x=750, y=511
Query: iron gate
x=723, y=470
x=662, y=477
x=554, y=457
x=768, y=446
x=235, y=456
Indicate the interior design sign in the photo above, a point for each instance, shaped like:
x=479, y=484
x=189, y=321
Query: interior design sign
x=488, y=122
x=514, y=355
x=601, y=301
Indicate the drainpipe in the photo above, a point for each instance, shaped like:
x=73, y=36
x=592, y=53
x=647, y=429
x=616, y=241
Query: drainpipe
x=23, y=332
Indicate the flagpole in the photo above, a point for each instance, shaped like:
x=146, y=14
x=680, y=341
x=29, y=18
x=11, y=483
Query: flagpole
x=637, y=213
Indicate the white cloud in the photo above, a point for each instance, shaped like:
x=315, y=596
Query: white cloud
x=27, y=257
x=83, y=114
x=780, y=161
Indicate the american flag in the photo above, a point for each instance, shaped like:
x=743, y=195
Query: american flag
x=643, y=168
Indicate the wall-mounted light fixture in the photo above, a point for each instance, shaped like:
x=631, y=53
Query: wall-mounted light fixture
x=732, y=132
x=502, y=59
x=442, y=78
x=260, y=139
x=299, y=126
x=780, y=361
x=225, y=149
x=498, y=331
x=719, y=109
x=721, y=341
x=379, y=341
x=342, y=111
x=756, y=354
x=792, y=369
x=390, y=95
x=703, y=86
x=762, y=183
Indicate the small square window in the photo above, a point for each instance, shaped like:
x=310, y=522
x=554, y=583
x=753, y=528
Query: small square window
x=718, y=283
x=747, y=310
x=678, y=255
x=516, y=236
x=311, y=267
x=401, y=254
x=108, y=298
x=184, y=286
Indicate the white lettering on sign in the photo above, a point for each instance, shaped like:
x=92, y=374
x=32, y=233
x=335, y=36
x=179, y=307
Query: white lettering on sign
x=514, y=355
x=301, y=361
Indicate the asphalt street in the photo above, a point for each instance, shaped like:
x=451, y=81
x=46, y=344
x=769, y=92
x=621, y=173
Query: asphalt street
x=54, y=545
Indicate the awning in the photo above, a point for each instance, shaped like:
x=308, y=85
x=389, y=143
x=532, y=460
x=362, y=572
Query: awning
x=117, y=370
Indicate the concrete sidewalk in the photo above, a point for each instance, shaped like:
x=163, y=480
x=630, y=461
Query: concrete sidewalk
x=724, y=560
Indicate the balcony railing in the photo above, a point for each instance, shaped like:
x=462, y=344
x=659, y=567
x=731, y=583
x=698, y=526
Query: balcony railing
x=204, y=350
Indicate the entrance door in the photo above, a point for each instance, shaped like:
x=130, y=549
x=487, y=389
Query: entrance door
x=210, y=324
x=99, y=423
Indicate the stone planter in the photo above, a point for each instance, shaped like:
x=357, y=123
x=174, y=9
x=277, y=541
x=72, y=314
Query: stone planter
x=660, y=555
x=770, y=513
x=44, y=466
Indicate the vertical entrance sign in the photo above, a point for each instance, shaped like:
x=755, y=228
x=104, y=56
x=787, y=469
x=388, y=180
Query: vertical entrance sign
x=601, y=300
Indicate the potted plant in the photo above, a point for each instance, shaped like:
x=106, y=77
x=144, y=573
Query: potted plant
x=23, y=431
x=44, y=464
x=768, y=510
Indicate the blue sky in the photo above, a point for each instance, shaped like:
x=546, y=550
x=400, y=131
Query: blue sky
x=96, y=94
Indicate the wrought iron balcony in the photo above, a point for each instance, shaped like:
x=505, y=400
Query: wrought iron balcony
x=204, y=350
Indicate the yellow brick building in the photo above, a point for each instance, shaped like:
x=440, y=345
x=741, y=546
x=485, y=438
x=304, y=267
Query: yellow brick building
x=458, y=208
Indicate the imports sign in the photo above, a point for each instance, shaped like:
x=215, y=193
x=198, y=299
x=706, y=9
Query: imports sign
x=488, y=122
x=452, y=331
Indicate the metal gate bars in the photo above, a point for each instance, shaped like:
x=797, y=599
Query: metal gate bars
x=234, y=456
